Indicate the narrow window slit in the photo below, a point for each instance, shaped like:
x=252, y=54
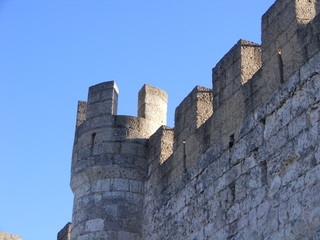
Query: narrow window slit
x=231, y=141
x=280, y=62
x=264, y=173
x=184, y=155
x=233, y=191
x=93, y=136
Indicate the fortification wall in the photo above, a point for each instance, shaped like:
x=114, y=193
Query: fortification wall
x=250, y=171
x=263, y=186
x=242, y=161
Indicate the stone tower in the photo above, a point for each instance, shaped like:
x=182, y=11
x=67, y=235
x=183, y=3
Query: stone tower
x=109, y=163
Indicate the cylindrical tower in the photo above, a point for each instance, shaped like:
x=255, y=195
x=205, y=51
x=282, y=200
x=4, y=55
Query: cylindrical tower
x=109, y=163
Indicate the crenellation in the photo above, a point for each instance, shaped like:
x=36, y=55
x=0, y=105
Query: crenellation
x=81, y=112
x=250, y=61
x=102, y=100
x=242, y=161
x=109, y=163
x=160, y=146
x=234, y=70
x=306, y=11
x=152, y=104
x=287, y=41
x=234, y=89
x=194, y=111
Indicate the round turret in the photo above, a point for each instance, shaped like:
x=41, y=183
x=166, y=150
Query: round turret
x=109, y=163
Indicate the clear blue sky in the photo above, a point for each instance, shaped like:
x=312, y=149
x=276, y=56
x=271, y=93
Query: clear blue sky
x=51, y=51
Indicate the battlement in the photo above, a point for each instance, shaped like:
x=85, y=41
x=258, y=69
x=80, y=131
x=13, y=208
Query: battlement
x=243, y=81
x=194, y=111
x=240, y=157
x=100, y=131
x=152, y=104
x=286, y=42
x=236, y=68
x=109, y=160
x=103, y=101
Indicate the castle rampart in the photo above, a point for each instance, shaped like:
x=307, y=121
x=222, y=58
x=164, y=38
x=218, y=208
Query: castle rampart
x=242, y=161
x=284, y=41
x=109, y=163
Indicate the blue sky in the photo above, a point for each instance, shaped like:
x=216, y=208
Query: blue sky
x=51, y=51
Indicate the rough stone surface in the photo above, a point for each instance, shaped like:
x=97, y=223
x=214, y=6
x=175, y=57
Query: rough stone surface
x=8, y=236
x=242, y=162
x=152, y=104
x=65, y=232
x=110, y=165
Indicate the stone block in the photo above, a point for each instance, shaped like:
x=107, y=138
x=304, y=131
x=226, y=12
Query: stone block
x=153, y=104
x=297, y=125
x=81, y=112
x=136, y=186
x=94, y=225
x=102, y=100
x=235, y=69
x=119, y=185
x=128, y=235
x=193, y=112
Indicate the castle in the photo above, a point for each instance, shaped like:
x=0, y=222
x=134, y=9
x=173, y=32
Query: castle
x=243, y=158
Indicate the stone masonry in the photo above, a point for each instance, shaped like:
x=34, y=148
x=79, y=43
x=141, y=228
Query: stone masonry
x=242, y=161
x=65, y=232
x=8, y=236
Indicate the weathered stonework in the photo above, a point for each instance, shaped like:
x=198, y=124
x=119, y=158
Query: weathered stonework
x=65, y=233
x=109, y=165
x=242, y=161
x=8, y=236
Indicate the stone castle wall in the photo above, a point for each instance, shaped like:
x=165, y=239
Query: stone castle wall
x=242, y=161
x=265, y=185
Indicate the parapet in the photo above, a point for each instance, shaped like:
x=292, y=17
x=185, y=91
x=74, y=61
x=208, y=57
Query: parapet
x=81, y=112
x=160, y=146
x=285, y=43
x=194, y=111
x=99, y=131
x=232, y=80
x=234, y=70
x=248, y=74
x=242, y=81
x=102, y=99
x=190, y=117
x=152, y=104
